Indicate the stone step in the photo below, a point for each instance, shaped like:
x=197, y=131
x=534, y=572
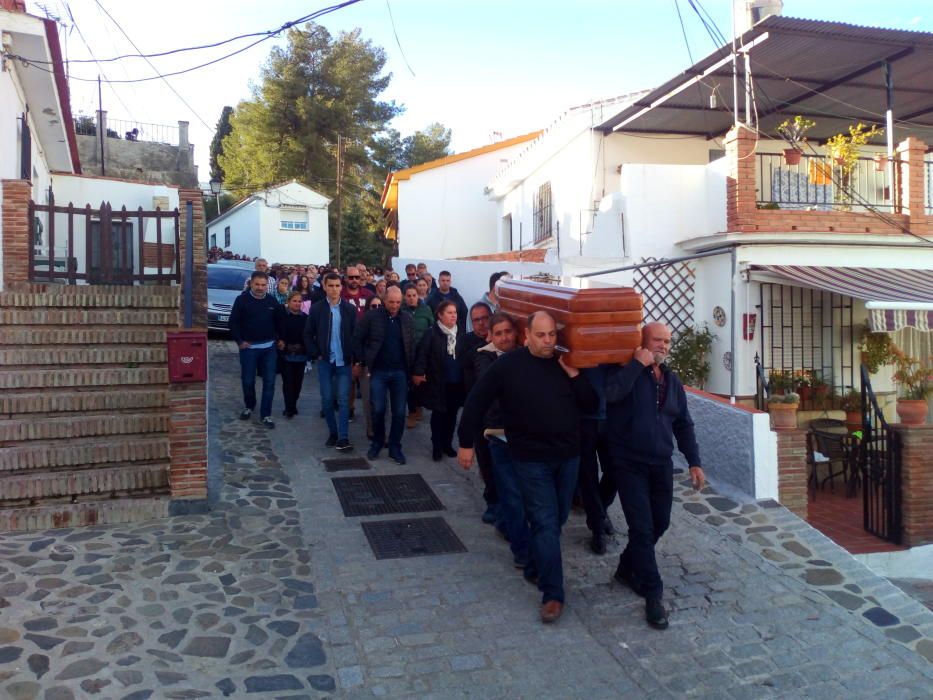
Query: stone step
x=111, y=378
x=91, y=355
x=93, y=298
x=84, y=452
x=93, y=317
x=95, y=512
x=106, y=399
x=69, y=427
x=82, y=335
x=121, y=479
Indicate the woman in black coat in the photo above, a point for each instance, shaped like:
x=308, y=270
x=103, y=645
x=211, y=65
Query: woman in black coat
x=440, y=378
x=290, y=325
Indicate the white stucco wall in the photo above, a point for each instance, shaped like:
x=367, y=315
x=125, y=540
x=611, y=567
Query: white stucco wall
x=244, y=230
x=444, y=213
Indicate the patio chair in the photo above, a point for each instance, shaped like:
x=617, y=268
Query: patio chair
x=839, y=451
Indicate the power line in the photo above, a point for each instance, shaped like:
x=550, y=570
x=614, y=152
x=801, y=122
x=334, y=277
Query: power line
x=39, y=63
x=404, y=58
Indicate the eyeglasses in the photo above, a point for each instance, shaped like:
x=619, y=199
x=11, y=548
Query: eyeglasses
x=353, y=277
x=480, y=319
x=375, y=306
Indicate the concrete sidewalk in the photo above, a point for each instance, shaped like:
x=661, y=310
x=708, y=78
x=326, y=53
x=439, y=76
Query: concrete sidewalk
x=277, y=594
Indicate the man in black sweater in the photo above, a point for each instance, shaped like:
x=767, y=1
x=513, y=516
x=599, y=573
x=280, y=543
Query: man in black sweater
x=252, y=327
x=646, y=409
x=541, y=400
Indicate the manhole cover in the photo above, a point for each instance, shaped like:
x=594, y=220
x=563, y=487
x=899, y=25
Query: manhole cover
x=419, y=537
x=382, y=495
x=345, y=464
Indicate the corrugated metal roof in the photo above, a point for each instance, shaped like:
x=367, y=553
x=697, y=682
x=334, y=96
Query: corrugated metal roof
x=829, y=72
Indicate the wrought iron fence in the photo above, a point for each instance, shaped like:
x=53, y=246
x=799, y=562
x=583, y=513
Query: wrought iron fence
x=124, y=129
x=75, y=245
x=879, y=461
x=817, y=182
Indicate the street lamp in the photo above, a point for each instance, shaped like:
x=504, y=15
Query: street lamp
x=216, y=184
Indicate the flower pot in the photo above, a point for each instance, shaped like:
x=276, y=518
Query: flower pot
x=805, y=393
x=783, y=415
x=792, y=156
x=912, y=411
x=853, y=421
x=881, y=162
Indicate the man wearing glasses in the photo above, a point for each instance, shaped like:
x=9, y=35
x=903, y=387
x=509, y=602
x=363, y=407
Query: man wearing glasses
x=357, y=296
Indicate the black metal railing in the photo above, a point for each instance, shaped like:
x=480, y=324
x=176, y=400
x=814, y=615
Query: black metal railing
x=818, y=182
x=75, y=245
x=762, y=387
x=880, y=469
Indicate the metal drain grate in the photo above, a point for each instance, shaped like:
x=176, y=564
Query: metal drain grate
x=419, y=537
x=382, y=495
x=345, y=464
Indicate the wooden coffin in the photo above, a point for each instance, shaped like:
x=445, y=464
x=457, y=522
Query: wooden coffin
x=597, y=323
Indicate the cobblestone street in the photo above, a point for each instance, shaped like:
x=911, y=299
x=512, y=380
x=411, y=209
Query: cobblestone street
x=276, y=594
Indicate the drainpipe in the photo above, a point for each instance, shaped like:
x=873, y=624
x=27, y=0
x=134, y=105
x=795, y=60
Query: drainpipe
x=732, y=331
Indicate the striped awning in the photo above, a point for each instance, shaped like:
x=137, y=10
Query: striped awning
x=896, y=298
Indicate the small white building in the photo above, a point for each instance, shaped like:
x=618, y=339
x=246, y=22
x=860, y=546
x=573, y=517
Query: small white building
x=438, y=210
x=286, y=223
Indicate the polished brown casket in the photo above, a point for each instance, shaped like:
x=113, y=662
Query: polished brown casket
x=597, y=323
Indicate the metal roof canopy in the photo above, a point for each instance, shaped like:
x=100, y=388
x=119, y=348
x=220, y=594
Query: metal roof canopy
x=830, y=72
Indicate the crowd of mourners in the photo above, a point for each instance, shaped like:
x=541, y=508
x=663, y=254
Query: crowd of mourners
x=540, y=430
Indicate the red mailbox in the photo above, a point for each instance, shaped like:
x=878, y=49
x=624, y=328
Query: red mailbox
x=187, y=357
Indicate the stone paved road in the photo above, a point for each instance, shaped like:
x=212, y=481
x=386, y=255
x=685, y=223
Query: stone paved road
x=277, y=594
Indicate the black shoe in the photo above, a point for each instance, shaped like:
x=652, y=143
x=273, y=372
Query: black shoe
x=343, y=445
x=437, y=455
x=397, y=456
x=450, y=452
x=655, y=613
x=597, y=543
x=322, y=413
x=373, y=452
x=285, y=414
x=531, y=576
x=626, y=578
x=246, y=413
x=331, y=440
x=352, y=417
x=608, y=527
x=268, y=422
x=491, y=514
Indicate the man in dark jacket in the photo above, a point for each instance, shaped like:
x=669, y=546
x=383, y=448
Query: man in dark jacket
x=541, y=399
x=445, y=292
x=329, y=340
x=646, y=409
x=384, y=347
x=467, y=346
x=252, y=327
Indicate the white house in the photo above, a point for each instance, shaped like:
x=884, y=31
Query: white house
x=286, y=223
x=438, y=210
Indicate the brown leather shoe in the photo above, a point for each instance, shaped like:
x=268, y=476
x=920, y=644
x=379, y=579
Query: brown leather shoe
x=411, y=421
x=551, y=610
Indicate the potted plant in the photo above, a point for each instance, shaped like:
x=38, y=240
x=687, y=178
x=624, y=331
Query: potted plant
x=844, y=150
x=802, y=382
x=819, y=388
x=915, y=383
x=778, y=383
x=689, y=356
x=792, y=131
x=783, y=410
x=877, y=349
x=852, y=405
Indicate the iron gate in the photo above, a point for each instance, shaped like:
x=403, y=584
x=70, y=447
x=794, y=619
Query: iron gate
x=880, y=468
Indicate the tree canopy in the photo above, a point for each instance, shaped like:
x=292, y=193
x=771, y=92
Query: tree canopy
x=313, y=89
x=217, y=146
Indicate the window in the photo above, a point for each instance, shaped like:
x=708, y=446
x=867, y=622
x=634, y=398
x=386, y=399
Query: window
x=25, y=148
x=226, y=236
x=213, y=240
x=541, y=215
x=294, y=219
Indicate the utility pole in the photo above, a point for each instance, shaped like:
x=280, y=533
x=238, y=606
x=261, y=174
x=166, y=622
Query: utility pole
x=101, y=128
x=339, y=196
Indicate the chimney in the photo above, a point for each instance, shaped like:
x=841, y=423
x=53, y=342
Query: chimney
x=13, y=5
x=747, y=13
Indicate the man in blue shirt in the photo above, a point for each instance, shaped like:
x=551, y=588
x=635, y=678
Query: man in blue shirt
x=329, y=339
x=252, y=327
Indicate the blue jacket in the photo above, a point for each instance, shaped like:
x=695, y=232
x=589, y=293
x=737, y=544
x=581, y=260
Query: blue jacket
x=253, y=320
x=637, y=429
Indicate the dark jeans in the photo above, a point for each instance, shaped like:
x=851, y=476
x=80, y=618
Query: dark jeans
x=511, y=516
x=484, y=460
x=444, y=422
x=335, y=388
x=646, y=492
x=594, y=453
x=386, y=386
x=547, y=491
x=261, y=362
x=293, y=376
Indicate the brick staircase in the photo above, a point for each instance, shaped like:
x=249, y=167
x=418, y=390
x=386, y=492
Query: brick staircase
x=84, y=420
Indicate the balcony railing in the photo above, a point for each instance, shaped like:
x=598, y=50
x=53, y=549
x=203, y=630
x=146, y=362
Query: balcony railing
x=818, y=183
x=123, y=129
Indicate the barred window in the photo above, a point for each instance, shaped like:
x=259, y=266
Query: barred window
x=542, y=213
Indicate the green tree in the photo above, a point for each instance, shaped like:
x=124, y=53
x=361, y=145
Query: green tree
x=217, y=146
x=427, y=145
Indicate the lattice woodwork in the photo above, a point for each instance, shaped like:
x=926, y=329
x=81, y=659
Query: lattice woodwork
x=668, y=291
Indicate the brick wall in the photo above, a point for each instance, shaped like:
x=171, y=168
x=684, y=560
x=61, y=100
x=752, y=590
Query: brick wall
x=792, y=470
x=917, y=483
x=14, y=207
x=150, y=255
x=188, y=440
x=200, y=251
x=743, y=214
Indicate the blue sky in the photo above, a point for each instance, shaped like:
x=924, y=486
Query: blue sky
x=477, y=66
